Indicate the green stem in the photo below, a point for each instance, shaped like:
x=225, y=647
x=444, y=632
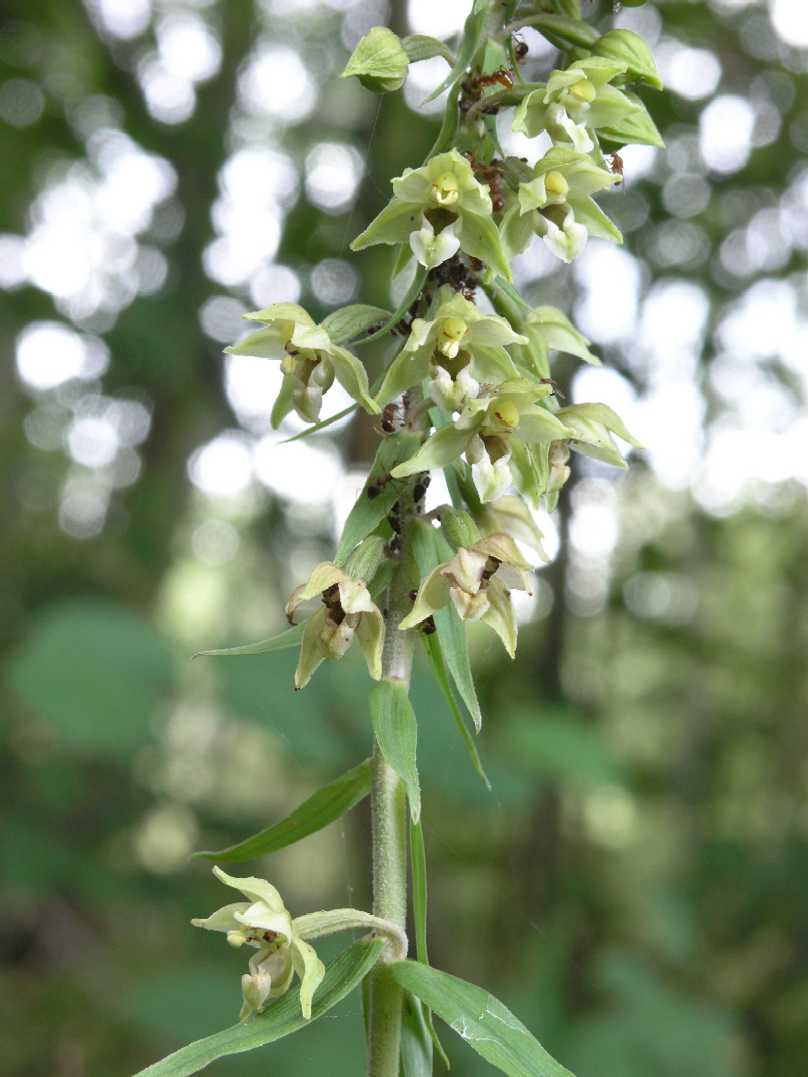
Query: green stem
x=388, y=812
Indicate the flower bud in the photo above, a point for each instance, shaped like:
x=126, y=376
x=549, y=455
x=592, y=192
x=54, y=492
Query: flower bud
x=459, y=528
x=379, y=61
x=364, y=561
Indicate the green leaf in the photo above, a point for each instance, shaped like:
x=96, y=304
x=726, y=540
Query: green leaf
x=95, y=673
x=282, y=642
x=480, y=1019
x=416, y=1043
x=419, y=889
x=413, y=292
x=469, y=43
x=368, y=512
x=439, y=669
x=351, y=321
x=396, y=731
x=635, y=128
x=431, y=549
x=629, y=48
x=321, y=425
x=422, y=47
x=322, y=808
x=563, y=32
x=419, y=907
x=281, y=1018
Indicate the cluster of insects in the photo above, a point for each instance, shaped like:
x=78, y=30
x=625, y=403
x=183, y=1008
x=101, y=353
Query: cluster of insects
x=491, y=176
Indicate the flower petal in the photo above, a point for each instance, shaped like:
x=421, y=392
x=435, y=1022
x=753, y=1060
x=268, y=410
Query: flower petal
x=433, y=595
x=500, y=616
x=253, y=889
x=370, y=634
x=310, y=970
x=223, y=919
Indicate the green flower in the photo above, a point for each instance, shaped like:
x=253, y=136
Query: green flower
x=490, y=428
x=347, y=610
x=556, y=204
x=442, y=194
x=591, y=427
x=454, y=352
x=263, y=922
x=309, y=359
x=576, y=102
x=477, y=581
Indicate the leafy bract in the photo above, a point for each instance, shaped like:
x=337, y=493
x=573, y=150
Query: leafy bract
x=320, y=809
x=396, y=731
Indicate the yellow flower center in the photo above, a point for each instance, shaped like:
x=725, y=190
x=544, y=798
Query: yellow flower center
x=554, y=183
x=451, y=333
x=445, y=190
x=508, y=414
x=584, y=91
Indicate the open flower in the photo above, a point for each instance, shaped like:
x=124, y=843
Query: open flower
x=442, y=194
x=491, y=427
x=454, y=352
x=263, y=922
x=309, y=359
x=346, y=610
x=556, y=204
x=575, y=103
x=477, y=581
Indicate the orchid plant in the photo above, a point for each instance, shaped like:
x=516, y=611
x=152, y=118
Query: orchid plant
x=468, y=392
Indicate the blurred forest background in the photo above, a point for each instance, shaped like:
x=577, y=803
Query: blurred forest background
x=636, y=886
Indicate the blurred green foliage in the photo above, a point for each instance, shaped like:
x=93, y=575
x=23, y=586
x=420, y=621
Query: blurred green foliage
x=635, y=887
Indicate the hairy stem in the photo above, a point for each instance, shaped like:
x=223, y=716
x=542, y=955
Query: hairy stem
x=388, y=810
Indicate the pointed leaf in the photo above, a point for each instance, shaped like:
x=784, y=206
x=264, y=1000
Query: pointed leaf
x=282, y=642
x=396, y=731
x=480, y=1019
x=281, y=1018
x=472, y=33
x=432, y=645
x=422, y=47
x=430, y=550
x=345, y=324
x=416, y=1044
x=323, y=807
x=368, y=512
x=563, y=32
x=321, y=425
x=413, y=292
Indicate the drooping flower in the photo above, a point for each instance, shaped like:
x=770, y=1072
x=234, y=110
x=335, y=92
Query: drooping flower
x=309, y=359
x=477, y=581
x=443, y=193
x=263, y=922
x=556, y=204
x=455, y=351
x=575, y=103
x=347, y=611
x=489, y=430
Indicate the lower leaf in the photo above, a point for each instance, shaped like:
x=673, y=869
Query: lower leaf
x=282, y=1018
x=480, y=1019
